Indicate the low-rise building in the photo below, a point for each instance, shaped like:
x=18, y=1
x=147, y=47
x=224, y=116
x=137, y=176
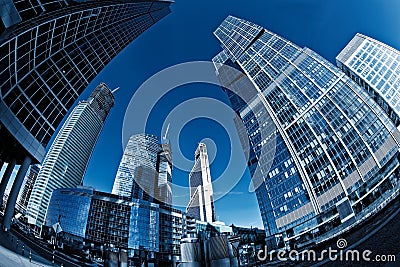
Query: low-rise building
x=105, y=223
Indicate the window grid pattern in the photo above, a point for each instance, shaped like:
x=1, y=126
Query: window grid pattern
x=334, y=127
x=236, y=35
x=33, y=8
x=143, y=227
x=46, y=67
x=108, y=222
x=102, y=218
x=376, y=67
x=28, y=184
x=65, y=163
x=282, y=191
x=137, y=174
x=70, y=209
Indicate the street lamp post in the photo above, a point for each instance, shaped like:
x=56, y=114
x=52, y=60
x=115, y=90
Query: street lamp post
x=52, y=261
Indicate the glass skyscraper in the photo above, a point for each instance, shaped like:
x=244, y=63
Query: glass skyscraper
x=335, y=149
x=49, y=52
x=145, y=170
x=137, y=172
x=145, y=174
x=376, y=67
x=104, y=218
x=65, y=163
x=201, y=203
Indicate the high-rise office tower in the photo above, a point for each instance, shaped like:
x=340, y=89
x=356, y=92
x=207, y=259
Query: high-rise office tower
x=137, y=172
x=201, y=203
x=145, y=170
x=27, y=187
x=49, y=52
x=376, y=67
x=335, y=149
x=145, y=174
x=164, y=171
x=65, y=163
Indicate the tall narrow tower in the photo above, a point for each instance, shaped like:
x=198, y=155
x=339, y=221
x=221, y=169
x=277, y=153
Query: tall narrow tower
x=201, y=204
x=164, y=170
x=65, y=163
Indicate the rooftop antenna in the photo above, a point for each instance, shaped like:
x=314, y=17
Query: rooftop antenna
x=116, y=89
x=166, y=132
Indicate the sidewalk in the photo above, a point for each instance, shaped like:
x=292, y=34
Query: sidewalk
x=13, y=252
x=11, y=259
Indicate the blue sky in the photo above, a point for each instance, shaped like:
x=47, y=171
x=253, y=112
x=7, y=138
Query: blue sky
x=186, y=35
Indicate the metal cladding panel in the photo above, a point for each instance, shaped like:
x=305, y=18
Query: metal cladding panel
x=219, y=248
x=191, y=253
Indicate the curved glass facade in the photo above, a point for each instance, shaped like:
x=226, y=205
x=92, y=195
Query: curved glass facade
x=65, y=163
x=70, y=208
x=107, y=220
x=334, y=144
x=136, y=176
x=50, y=51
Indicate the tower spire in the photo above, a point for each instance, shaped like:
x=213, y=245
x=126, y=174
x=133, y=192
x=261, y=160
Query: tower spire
x=166, y=132
x=115, y=90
